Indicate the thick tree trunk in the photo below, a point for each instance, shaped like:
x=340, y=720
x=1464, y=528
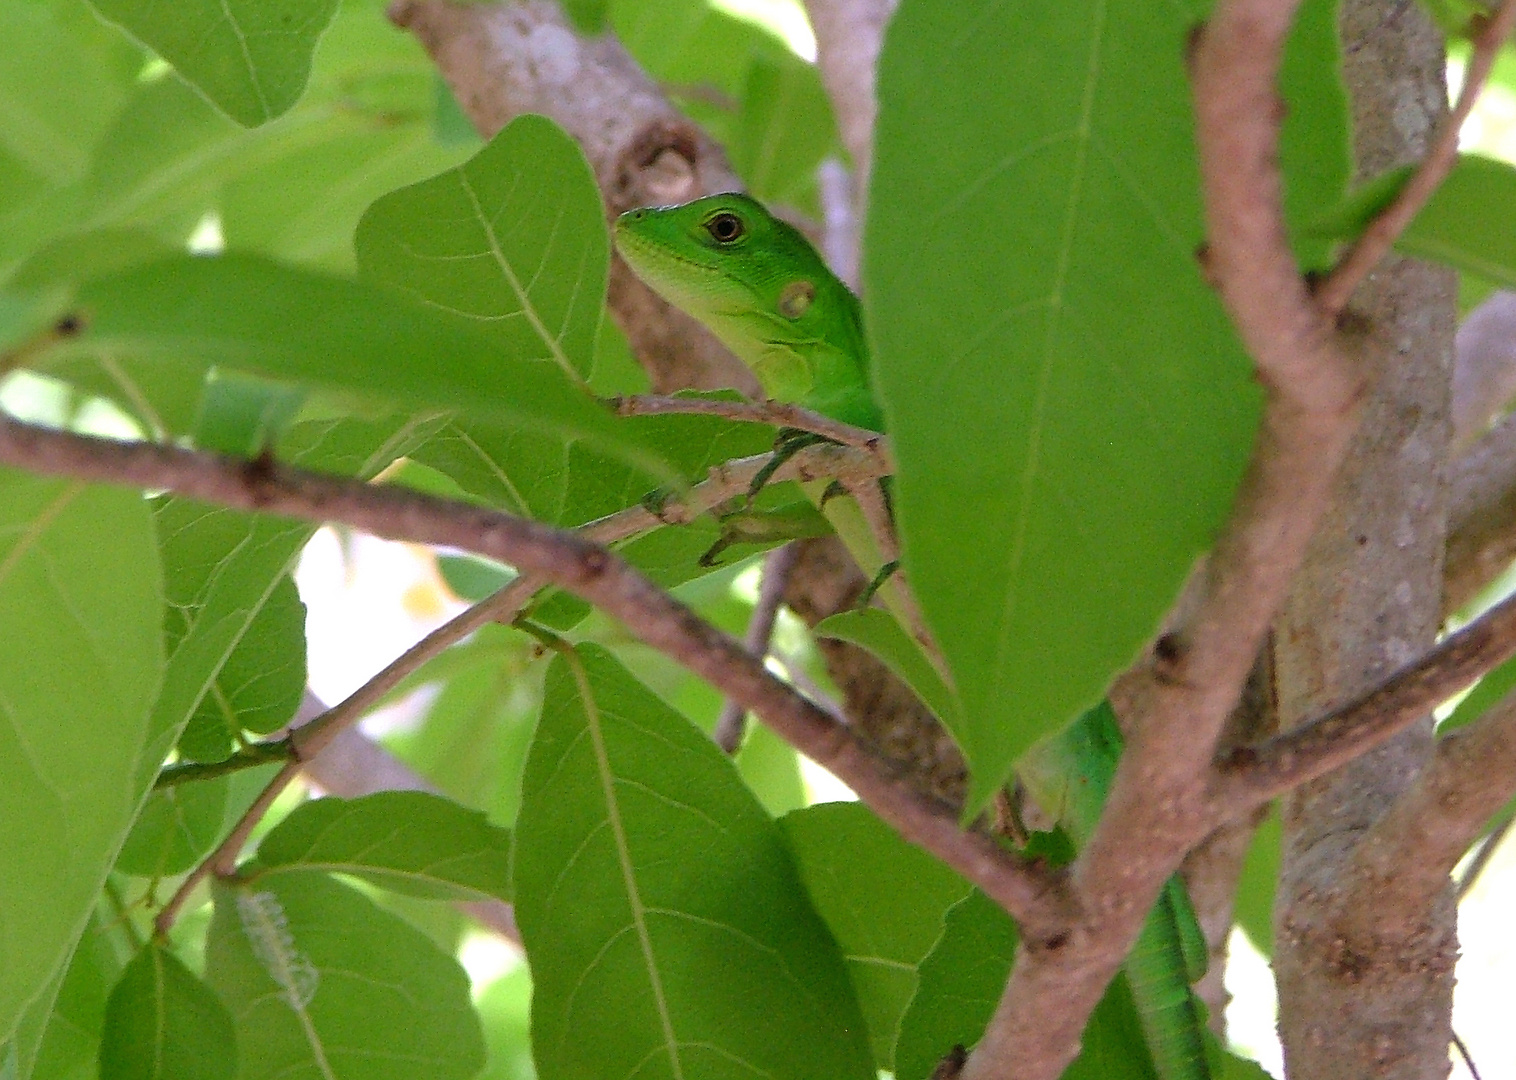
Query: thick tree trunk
x=1365, y=979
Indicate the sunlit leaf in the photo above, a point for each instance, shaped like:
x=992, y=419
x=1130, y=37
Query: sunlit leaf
x=646, y=959
x=1029, y=272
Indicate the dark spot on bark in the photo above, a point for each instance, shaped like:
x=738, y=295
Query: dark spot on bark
x=1168, y=657
x=951, y=1064
x=593, y=562
x=1192, y=40
x=70, y=325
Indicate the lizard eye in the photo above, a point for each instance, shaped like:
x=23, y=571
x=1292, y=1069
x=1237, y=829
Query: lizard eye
x=725, y=227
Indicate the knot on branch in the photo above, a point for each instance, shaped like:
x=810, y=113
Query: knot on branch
x=659, y=165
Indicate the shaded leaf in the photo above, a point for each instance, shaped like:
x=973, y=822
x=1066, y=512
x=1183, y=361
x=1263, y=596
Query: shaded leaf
x=882, y=636
x=324, y=983
x=963, y=978
x=162, y=1023
x=81, y=655
x=407, y=841
x=884, y=901
x=71, y=1043
x=251, y=57
x=281, y=323
x=176, y=827
x=514, y=238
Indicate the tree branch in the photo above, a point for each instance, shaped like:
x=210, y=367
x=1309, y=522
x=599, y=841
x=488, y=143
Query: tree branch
x=1025, y=888
x=778, y=413
x=1250, y=775
x=776, y=572
x=848, y=36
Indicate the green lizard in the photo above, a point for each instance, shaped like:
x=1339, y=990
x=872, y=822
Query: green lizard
x=760, y=286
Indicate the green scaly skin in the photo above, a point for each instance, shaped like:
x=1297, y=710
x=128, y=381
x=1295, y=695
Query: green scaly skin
x=761, y=288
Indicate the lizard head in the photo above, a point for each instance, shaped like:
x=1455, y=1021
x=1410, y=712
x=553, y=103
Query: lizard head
x=734, y=266
x=759, y=285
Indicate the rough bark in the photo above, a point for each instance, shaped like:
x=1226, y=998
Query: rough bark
x=1372, y=996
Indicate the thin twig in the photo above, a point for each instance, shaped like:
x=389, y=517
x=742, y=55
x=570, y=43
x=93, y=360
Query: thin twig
x=1249, y=775
x=1375, y=242
x=1484, y=853
x=1028, y=889
x=1463, y=1052
x=249, y=757
x=308, y=740
x=730, y=724
x=776, y=413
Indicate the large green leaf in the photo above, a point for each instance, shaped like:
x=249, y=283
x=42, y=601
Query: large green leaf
x=513, y=238
x=63, y=79
x=666, y=928
x=162, y=1023
x=407, y=841
x=274, y=321
x=1030, y=273
x=250, y=57
x=324, y=984
x=884, y=901
x=81, y=655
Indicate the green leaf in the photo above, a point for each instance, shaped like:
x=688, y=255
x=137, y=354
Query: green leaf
x=514, y=238
x=277, y=322
x=162, y=1023
x=304, y=206
x=71, y=1043
x=784, y=130
x=324, y=983
x=250, y=57
x=406, y=841
x=163, y=161
x=667, y=932
x=882, y=636
x=63, y=77
x=1102, y=407
x=222, y=569
x=960, y=981
x=81, y=655
x=1258, y=881
x=1454, y=227
x=260, y=685
x=884, y=901
x=177, y=827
